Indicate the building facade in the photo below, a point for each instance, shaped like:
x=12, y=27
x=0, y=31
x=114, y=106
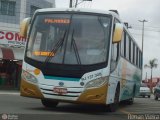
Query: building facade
x=12, y=45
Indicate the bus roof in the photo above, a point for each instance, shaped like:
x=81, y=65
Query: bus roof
x=78, y=10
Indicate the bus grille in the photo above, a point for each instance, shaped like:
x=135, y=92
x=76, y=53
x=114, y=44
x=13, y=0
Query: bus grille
x=72, y=92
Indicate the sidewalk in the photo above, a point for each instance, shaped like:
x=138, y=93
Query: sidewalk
x=9, y=92
x=8, y=87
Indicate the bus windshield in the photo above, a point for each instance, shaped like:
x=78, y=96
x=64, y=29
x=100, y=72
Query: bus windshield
x=73, y=39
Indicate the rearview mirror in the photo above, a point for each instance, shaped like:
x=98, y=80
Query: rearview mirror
x=24, y=27
x=117, y=37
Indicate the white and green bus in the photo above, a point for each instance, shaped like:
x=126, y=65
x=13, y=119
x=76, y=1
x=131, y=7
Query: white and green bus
x=79, y=56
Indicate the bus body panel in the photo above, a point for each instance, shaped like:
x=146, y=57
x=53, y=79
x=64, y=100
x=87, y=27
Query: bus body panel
x=129, y=76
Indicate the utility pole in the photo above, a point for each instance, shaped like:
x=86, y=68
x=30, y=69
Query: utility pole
x=70, y=4
x=77, y=3
x=143, y=21
x=146, y=78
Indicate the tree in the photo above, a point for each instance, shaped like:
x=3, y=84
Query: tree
x=152, y=64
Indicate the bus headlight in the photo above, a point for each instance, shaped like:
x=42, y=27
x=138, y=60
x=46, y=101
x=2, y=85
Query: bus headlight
x=96, y=83
x=29, y=77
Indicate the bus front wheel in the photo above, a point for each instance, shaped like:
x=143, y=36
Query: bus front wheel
x=113, y=107
x=130, y=101
x=49, y=103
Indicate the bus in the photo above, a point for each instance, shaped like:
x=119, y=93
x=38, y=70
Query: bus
x=79, y=56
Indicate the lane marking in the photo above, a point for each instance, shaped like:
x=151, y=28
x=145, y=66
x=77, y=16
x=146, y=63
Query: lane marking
x=9, y=93
x=126, y=112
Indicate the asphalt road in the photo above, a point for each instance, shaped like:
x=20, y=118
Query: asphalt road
x=21, y=108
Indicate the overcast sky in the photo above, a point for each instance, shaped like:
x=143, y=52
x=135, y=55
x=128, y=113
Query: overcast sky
x=131, y=11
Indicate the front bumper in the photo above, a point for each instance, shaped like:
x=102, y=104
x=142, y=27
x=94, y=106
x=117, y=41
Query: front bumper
x=90, y=96
x=28, y=89
x=144, y=94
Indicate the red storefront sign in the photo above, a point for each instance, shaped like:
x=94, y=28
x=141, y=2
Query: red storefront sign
x=11, y=38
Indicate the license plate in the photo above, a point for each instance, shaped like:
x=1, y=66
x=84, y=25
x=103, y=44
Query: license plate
x=60, y=90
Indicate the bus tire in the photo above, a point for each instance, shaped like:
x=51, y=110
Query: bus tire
x=49, y=103
x=131, y=100
x=113, y=107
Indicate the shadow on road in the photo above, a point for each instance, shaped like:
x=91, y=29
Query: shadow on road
x=81, y=108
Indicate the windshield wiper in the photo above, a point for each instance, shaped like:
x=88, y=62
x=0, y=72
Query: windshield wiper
x=56, y=47
x=73, y=43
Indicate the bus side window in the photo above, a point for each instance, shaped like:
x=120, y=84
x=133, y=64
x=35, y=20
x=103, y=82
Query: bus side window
x=127, y=47
x=133, y=53
x=115, y=55
x=123, y=46
x=135, y=56
x=140, y=58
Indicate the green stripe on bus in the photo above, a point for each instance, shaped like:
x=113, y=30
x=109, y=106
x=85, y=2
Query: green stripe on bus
x=61, y=78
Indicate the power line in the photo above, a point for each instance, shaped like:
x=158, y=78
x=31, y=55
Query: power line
x=149, y=28
x=145, y=26
x=151, y=36
x=146, y=30
x=10, y=27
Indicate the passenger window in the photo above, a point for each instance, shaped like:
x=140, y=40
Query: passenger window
x=115, y=55
x=135, y=56
x=127, y=47
x=140, y=59
x=123, y=46
x=133, y=53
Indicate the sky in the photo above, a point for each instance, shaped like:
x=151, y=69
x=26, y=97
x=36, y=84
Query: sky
x=132, y=11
